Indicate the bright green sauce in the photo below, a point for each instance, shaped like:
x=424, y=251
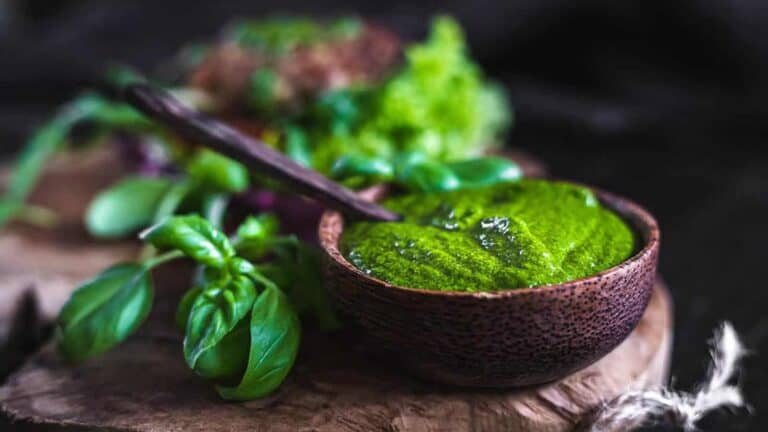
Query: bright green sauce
x=513, y=235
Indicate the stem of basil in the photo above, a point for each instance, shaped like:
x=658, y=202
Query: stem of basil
x=214, y=208
x=161, y=259
x=172, y=200
x=36, y=215
x=260, y=278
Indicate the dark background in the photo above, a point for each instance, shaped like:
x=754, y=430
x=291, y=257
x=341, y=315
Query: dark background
x=662, y=101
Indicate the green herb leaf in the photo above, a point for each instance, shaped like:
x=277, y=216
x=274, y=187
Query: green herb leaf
x=172, y=200
x=194, y=236
x=29, y=163
x=218, y=172
x=359, y=166
x=53, y=135
x=437, y=102
x=104, y=311
x=215, y=312
x=297, y=145
x=263, y=83
x=305, y=288
x=125, y=207
x=185, y=306
x=254, y=234
x=226, y=361
x=339, y=109
x=108, y=114
x=274, y=341
x=241, y=266
x=428, y=177
x=485, y=171
x=258, y=228
x=215, y=208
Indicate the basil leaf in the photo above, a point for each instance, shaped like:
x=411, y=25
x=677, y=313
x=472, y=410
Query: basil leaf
x=297, y=272
x=258, y=227
x=29, y=164
x=262, y=85
x=185, y=306
x=8, y=209
x=126, y=206
x=218, y=172
x=241, y=266
x=226, y=361
x=358, y=166
x=53, y=135
x=274, y=341
x=194, y=236
x=104, y=311
x=110, y=114
x=297, y=145
x=254, y=234
x=485, y=171
x=306, y=288
x=215, y=313
x=339, y=109
x=428, y=177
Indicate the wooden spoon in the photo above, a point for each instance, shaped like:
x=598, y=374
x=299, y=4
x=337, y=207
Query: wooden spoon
x=214, y=134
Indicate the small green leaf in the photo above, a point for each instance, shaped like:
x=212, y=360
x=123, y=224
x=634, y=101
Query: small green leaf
x=185, y=306
x=8, y=209
x=108, y=114
x=194, y=236
x=126, y=206
x=263, y=83
x=215, y=208
x=428, y=177
x=42, y=145
x=297, y=145
x=485, y=171
x=306, y=289
x=104, y=311
x=218, y=172
x=258, y=227
x=241, y=266
x=274, y=341
x=226, y=361
x=358, y=166
x=254, y=234
x=339, y=109
x=215, y=312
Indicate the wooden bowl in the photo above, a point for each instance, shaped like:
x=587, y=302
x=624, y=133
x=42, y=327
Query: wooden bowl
x=506, y=338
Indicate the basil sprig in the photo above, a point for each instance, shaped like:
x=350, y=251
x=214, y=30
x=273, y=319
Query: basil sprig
x=51, y=137
x=414, y=171
x=214, y=171
x=242, y=331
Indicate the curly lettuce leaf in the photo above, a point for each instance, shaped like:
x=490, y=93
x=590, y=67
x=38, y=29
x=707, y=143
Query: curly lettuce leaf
x=438, y=104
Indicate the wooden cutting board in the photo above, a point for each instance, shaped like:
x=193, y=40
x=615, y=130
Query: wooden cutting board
x=144, y=385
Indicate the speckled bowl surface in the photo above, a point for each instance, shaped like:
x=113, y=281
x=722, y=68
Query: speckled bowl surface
x=512, y=337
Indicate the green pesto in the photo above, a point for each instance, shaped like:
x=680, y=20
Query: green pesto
x=512, y=235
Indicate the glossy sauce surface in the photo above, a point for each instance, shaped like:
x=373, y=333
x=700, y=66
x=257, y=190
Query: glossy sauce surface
x=514, y=235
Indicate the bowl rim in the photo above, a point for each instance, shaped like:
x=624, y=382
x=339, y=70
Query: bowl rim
x=639, y=219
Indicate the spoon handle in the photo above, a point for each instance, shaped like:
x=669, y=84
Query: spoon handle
x=216, y=135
